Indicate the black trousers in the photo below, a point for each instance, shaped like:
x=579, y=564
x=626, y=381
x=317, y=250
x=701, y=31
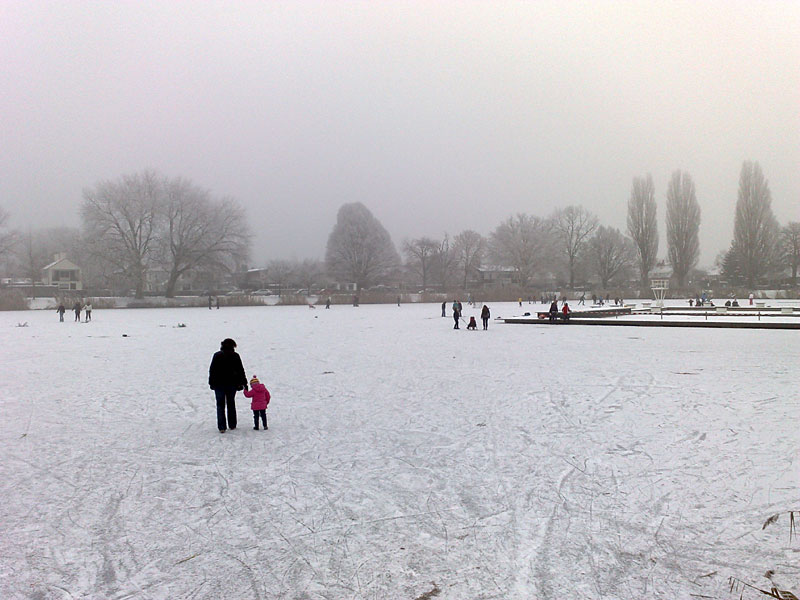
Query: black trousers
x=226, y=398
x=260, y=413
x=485, y=322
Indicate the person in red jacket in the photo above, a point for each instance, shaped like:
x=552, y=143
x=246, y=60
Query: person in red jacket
x=565, y=312
x=260, y=400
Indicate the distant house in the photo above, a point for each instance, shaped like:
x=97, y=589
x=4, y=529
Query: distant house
x=62, y=273
x=497, y=276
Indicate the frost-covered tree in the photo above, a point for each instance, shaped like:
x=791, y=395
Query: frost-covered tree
x=419, y=257
x=522, y=242
x=755, y=230
x=790, y=247
x=683, y=226
x=643, y=225
x=359, y=249
x=612, y=254
x=469, y=247
x=572, y=228
x=120, y=221
x=196, y=231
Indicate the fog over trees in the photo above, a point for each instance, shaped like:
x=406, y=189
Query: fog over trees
x=469, y=248
x=522, y=242
x=643, y=225
x=359, y=249
x=420, y=254
x=611, y=253
x=572, y=227
x=144, y=220
x=755, y=248
x=145, y=227
x=683, y=226
x=196, y=231
x=790, y=248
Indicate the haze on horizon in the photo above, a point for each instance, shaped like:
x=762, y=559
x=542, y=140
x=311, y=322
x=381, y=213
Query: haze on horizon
x=438, y=117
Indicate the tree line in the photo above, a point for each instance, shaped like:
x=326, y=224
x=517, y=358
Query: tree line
x=573, y=247
x=138, y=223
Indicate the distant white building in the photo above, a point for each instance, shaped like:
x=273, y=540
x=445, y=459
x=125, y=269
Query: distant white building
x=62, y=273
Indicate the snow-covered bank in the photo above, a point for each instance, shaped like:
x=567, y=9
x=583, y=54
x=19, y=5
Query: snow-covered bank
x=515, y=463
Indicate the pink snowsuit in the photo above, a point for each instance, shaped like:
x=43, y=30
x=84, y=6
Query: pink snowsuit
x=260, y=395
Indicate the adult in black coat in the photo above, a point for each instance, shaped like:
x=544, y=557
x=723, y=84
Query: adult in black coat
x=554, y=311
x=226, y=376
x=485, y=314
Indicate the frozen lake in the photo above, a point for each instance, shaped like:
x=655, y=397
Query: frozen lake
x=404, y=459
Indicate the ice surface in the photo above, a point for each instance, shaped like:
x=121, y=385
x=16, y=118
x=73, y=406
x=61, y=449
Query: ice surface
x=403, y=457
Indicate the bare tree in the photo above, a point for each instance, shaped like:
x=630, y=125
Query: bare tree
x=38, y=248
x=469, y=247
x=280, y=273
x=119, y=219
x=196, y=231
x=790, y=247
x=612, y=253
x=683, y=226
x=522, y=242
x=755, y=229
x=8, y=238
x=572, y=227
x=419, y=256
x=359, y=249
x=643, y=226
x=444, y=261
x=308, y=273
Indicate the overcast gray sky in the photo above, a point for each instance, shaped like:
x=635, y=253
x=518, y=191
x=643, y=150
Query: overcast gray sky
x=437, y=116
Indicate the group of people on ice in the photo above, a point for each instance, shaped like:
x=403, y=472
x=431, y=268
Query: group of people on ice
x=76, y=308
x=458, y=309
x=226, y=377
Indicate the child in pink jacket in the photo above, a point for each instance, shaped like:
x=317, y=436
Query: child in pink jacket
x=260, y=395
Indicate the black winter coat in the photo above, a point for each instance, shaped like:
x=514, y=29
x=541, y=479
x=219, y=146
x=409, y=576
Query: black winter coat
x=226, y=370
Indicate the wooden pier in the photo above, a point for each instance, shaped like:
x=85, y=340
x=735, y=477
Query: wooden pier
x=655, y=322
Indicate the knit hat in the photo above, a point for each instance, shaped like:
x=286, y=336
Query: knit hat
x=254, y=379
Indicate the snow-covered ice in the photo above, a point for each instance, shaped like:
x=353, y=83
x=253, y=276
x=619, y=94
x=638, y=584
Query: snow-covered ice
x=403, y=458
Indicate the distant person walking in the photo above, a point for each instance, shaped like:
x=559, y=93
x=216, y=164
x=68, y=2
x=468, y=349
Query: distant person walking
x=87, y=311
x=61, y=310
x=77, y=309
x=217, y=299
x=328, y=303
x=485, y=314
x=582, y=299
x=444, y=309
x=210, y=300
x=226, y=377
x=260, y=401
